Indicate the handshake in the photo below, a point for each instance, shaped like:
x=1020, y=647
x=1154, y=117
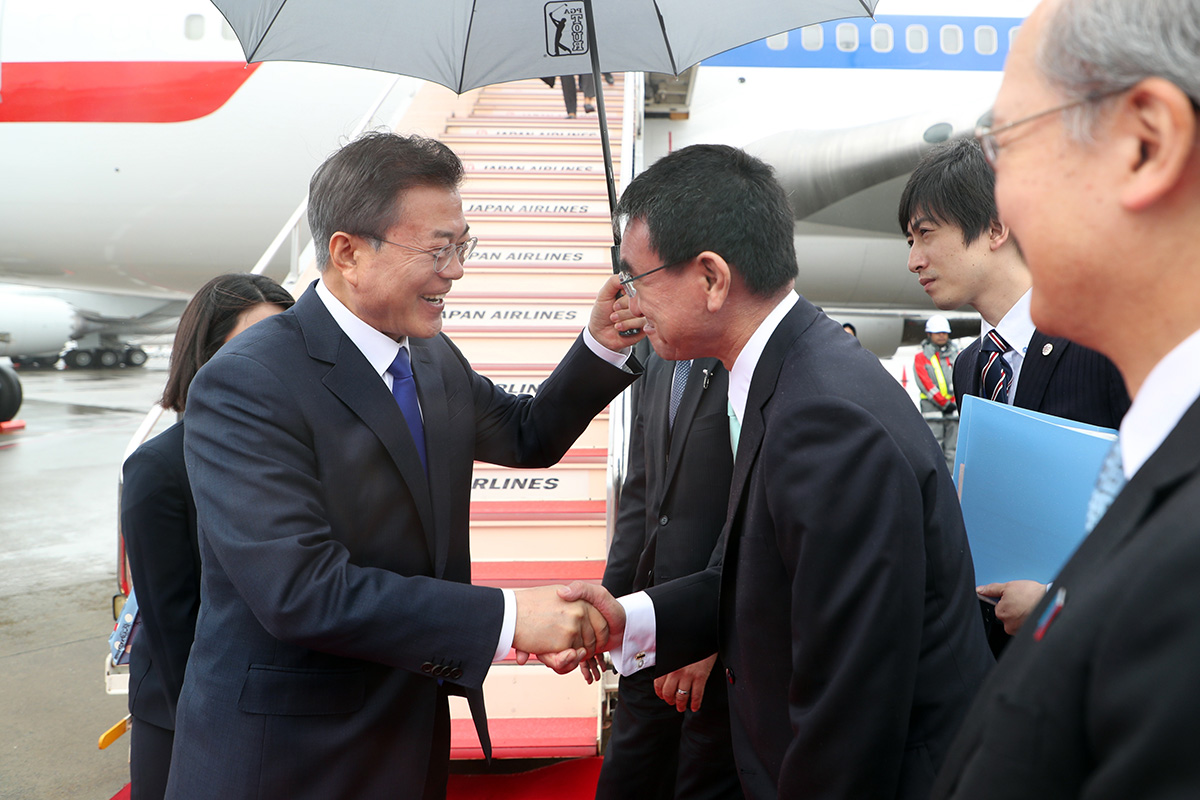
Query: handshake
x=567, y=626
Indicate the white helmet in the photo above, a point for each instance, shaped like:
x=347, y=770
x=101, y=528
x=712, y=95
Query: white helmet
x=937, y=324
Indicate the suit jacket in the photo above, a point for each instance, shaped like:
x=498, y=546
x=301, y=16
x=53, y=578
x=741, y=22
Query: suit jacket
x=336, y=590
x=158, y=521
x=676, y=489
x=1104, y=704
x=845, y=598
x=1070, y=381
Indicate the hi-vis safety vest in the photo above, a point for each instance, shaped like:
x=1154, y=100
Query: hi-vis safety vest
x=934, y=371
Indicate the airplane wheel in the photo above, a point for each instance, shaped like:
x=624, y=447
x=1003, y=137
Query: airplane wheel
x=109, y=358
x=79, y=359
x=136, y=357
x=10, y=394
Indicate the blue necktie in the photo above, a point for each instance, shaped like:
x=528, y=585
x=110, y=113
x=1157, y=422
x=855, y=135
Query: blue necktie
x=404, y=389
x=995, y=374
x=1108, y=486
x=678, y=383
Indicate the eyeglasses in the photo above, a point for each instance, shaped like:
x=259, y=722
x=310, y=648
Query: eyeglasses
x=627, y=279
x=986, y=134
x=441, y=255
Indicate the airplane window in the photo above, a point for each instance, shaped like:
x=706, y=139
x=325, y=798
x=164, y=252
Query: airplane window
x=227, y=31
x=193, y=27
x=778, y=42
x=952, y=39
x=985, y=40
x=1012, y=35
x=812, y=37
x=916, y=39
x=847, y=37
x=881, y=38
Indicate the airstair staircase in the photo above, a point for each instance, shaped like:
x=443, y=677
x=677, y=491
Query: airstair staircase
x=535, y=196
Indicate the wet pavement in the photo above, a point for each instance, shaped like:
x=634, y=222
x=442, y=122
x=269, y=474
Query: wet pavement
x=58, y=523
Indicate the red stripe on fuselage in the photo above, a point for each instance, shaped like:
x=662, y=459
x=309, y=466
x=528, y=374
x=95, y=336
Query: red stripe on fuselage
x=117, y=91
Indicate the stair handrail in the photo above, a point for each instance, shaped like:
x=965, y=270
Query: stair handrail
x=291, y=229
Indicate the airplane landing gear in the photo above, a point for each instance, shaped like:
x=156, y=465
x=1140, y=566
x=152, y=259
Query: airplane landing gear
x=10, y=393
x=105, y=357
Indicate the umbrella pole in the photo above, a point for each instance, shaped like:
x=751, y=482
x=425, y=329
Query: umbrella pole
x=604, y=143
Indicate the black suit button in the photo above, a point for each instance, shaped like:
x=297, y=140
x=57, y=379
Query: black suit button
x=730, y=676
x=455, y=674
x=663, y=520
x=439, y=671
x=427, y=668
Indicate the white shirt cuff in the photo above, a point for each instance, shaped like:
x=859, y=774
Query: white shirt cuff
x=508, y=628
x=636, y=651
x=616, y=358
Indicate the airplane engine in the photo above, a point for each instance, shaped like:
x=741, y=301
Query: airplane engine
x=32, y=326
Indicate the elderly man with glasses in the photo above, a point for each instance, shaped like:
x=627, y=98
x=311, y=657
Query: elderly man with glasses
x=1097, y=166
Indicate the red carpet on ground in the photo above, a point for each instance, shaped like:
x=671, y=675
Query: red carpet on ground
x=566, y=780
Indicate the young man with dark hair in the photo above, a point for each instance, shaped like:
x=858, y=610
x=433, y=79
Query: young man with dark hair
x=964, y=254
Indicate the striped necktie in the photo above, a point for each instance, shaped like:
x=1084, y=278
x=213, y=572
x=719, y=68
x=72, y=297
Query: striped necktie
x=678, y=383
x=404, y=389
x=995, y=374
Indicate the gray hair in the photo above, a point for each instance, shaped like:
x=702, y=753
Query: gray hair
x=1096, y=48
x=360, y=188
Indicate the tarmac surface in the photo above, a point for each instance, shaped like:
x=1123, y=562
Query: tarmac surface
x=58, y=529
x=58, y=533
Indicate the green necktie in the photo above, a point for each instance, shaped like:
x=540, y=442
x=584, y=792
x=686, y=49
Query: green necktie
x=735, y=429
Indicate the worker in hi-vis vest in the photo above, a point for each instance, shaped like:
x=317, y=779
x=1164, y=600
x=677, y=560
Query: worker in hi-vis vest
x=934, y=369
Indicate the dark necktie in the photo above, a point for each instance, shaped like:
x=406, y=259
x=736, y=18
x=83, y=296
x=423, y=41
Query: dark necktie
x=995, y=374
x=404, y=389
x=678, y=383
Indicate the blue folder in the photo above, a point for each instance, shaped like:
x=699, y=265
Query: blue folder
x=1024, y=481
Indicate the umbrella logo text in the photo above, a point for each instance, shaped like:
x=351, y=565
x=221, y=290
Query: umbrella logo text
x=566, y=29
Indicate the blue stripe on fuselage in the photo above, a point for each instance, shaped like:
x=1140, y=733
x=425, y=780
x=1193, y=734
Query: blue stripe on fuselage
x=974, y=34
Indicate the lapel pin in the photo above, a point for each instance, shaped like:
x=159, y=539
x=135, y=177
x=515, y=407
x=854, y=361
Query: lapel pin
x=1047, y=349
x=1050, y=614
x=707, y=378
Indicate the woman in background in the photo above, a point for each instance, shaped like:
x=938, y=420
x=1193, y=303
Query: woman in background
x=158, y=522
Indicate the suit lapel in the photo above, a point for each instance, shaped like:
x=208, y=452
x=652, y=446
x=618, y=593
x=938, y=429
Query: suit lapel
x=658, y=404
x=762, y=387
x=1176, y=459
x=1036, y=369
x=431, y=391
x=352, y=380
x=969, y=358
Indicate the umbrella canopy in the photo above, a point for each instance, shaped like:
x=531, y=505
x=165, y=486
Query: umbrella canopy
x=464, y=44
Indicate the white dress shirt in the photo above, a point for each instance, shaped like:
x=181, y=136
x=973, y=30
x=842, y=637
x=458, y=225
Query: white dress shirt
x=637, y=648
x=1167, y=393
x=380, y=350
x=1016, y=328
